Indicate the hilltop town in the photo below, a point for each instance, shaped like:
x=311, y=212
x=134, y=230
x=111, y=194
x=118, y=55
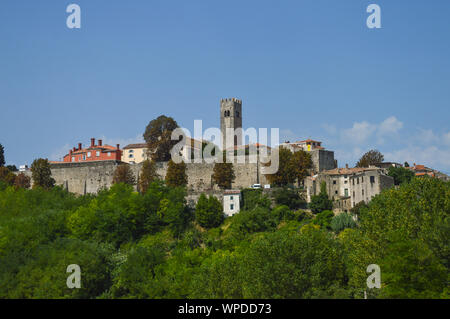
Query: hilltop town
x=88, y=169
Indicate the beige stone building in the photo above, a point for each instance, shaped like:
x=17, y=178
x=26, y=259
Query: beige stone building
x=134, y=153
x=231, y=202
x=306, y=145
x=349, y=186
x=137, y=153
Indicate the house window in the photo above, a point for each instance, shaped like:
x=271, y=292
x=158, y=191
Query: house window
x=345, y=182
x=372, y=179
x=73, y=158
x=130, y=156
x=346, y=192
x=84, y=157
x=335, y=192
x=231, y=197
x=97, y=153
x=363, y=192
x=334, y=182
x=362, y=179
x=231, y=206
x=109, y=154
x=357, y=180
x=89, y=154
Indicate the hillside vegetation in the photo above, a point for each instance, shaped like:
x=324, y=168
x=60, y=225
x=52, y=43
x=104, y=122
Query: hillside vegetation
x=132, y=245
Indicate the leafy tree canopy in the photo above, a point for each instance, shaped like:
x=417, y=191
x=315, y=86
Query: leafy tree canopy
x=321, y=202
x=223, y=175
x=158, y=136
x=123, y=174
x=370, y=158
x=400, y=174
x=176, y=174
x=42, y=174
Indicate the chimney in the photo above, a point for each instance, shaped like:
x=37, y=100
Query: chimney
x=70, y=152
x=346, y=165
x=79, y=146
x=92, y=142
x=74, y=149
x=118, y=146
x=100, y=142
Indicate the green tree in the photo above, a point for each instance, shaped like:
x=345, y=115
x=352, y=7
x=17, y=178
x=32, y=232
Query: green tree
x=253, y=198
x=321, y=202
x=400, y=174
x=292, y=167
x=12, y=168
x=148, y=175
x=158, y=136
x=208, y=211
x=2, y=156
x=341, y=222
x=285, y=174
x=42, y=174
x=176, y=174
x=286, y=265
x=324, y=219
x=405, y=231
x=302, y=163
x=370, y=158
x=289, y=197
x=123, y=174
x=258, y=219
x=357, y=208
x=406, y=164
x=223, y=175
x=282, y=212
x=7, y=176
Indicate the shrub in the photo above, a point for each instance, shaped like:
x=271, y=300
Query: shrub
x=253, y=198
x=209, y=211
x=289, y=197
x=342, y=221
x=324, y=219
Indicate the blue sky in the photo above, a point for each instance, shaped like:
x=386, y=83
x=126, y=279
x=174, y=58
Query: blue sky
x=311, y=68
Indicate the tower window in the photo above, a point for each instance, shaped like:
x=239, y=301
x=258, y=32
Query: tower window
x=237, y=113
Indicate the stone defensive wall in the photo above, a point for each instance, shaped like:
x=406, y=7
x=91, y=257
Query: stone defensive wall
x=90, y=177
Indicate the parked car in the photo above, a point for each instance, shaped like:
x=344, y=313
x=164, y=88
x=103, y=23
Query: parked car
x=256, y=186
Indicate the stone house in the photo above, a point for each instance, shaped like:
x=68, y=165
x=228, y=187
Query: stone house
x=349, y=186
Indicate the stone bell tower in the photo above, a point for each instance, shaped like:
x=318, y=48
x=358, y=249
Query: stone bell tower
x=231, y=117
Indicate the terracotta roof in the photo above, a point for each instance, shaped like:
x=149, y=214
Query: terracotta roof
x=347, y=171
x=308, y=141
x=258, y=145
x=103, y=148
x=231, y=192
x=138, y=145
